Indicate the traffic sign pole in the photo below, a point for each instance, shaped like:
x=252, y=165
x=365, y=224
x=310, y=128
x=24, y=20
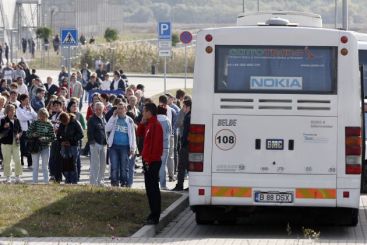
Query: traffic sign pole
x=69, y=69
x=185, y=64
x=165, y=74
x=186, y=38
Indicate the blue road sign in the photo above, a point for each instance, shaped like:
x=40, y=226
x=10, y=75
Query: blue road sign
x=186, y=37
x=164, y=31
x=69, y=37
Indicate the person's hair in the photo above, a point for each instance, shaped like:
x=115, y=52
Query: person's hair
x=99, y=104
x=98, y=96
x=152, y=108
x=43, y=111
x=14, y=85
x=64, y=117
x=117, y=101
x=116, y=73
x=2, y=81
x=56, y=102
x=105, y=97
x=148, y=100
x=140, y=87
x=161, y=110
x=13, y=92
x=39, y=90
x=187, y=97
x=187, y=103
x=163, y=99
x=6, y=94
x=2, y=98
x=133, y=97
x=75, y=99
x=70, y=104
x=180, y=93
x=22, y=97
x=33, y=70
x=112, y=98
x=8, y=107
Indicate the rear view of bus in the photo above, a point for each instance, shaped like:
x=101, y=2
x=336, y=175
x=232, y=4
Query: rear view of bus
x=276, y=120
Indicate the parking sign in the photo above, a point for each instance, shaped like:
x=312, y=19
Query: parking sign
x=164, y=31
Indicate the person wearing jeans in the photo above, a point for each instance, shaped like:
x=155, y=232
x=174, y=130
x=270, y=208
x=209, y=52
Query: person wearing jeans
x=97, y=141
x=122, y=143
x=69, y=134
x=41, y=129
x=167, y=129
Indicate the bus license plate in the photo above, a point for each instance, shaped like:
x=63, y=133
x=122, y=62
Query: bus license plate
x=276, y=197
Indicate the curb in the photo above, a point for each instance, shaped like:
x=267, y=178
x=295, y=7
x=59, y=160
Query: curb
x=166, y=217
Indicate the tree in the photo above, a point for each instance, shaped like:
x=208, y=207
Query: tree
x=175, y=39
x=43, y=32
x=111, y=35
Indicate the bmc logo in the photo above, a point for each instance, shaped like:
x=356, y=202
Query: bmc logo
x=276, y=83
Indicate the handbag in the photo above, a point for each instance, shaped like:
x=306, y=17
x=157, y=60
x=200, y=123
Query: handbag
x=4, y=133
x=34, y=145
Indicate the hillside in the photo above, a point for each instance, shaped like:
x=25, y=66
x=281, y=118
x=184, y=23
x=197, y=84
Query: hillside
x=222, y=12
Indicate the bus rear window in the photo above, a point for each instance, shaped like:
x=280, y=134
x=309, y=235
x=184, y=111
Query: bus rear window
x=275, y=69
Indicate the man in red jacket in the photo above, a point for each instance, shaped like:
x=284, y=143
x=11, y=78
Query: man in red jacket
x=152, y=152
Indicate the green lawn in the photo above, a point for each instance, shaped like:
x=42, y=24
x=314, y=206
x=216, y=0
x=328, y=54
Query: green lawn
x=73, y=211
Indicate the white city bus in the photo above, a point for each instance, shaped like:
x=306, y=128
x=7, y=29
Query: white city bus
x=276, y=118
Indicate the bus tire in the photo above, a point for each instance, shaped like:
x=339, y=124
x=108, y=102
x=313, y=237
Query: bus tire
x=348, y=217
x=203, y=218
x=353, y=217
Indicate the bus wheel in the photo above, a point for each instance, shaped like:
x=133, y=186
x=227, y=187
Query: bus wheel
x=202, y=217
x=353, y=217
x=348, y=217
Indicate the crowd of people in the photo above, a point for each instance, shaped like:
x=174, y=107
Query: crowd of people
x=42, y=124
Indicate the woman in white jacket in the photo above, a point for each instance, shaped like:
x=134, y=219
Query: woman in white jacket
x=122, y=144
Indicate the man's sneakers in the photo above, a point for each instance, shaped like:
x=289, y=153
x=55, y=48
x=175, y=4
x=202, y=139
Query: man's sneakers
x=18, y=180
x=171, y=179
x=151, y=221
x=8, y=180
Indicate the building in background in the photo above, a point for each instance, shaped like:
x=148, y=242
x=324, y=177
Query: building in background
x=90, y=17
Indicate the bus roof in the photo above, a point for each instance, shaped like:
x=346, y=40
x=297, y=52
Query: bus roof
x=294, y=17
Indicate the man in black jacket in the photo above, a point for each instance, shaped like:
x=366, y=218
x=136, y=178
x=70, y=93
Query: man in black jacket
x=183, y=163
x=117, y=83
x=97, y=141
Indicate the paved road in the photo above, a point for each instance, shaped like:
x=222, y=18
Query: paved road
x=185, y=227
x=153, y=85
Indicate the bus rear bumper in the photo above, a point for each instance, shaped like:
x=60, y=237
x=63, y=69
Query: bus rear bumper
x=240, y=196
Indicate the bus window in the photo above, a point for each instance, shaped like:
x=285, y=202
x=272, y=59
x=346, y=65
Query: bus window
x=275, y=69
x=363, y=63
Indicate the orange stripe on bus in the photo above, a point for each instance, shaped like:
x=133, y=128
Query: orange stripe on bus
x=309, y=193
x=223, y=191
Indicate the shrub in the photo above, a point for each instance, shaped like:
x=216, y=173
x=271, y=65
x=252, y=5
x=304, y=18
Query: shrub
x=111, y=35
x=137, y=57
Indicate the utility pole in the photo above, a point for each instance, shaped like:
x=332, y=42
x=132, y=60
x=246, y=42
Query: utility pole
x=345, y=15
x=258, y=5
x=336, y=14
x=243, y=6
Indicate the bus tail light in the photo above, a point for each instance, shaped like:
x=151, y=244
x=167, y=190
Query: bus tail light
x=344, y=39
x=196, y=147
x=353, y=150
x=209, y=38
